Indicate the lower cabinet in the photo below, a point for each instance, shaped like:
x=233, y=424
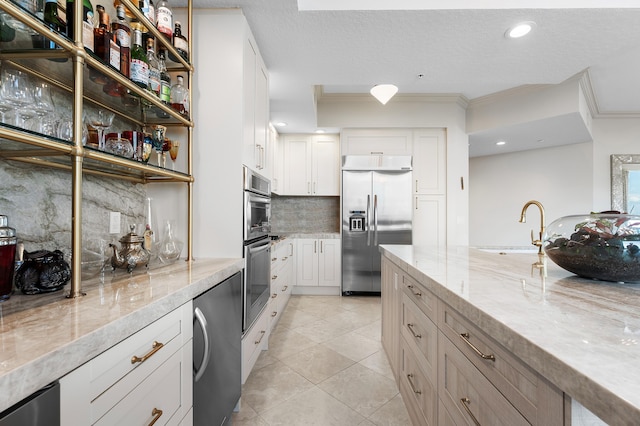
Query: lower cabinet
x=145, y=379
x=254, y=341
x=281, y=279
x=318, y=264
x=450, y=371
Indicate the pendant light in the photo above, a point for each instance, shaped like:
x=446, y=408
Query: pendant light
x=384, y=92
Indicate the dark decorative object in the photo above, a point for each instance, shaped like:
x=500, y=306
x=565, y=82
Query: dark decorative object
x=603, y=246
x=43, y=271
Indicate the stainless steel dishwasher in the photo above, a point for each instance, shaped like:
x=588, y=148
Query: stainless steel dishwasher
x=217, y=358
x=40, y=409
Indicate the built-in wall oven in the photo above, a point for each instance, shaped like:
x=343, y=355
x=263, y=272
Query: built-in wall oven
x=257, y=245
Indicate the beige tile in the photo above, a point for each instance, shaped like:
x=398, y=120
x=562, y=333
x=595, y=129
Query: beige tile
x=292, y=318
x=313, y=407
x=354, y=346
x=322, y=330
x=265, y=359
x=393, y=413
x=272, y=385
x=256, y=421
x=318, y=363
x=286, y=343
x=245, y=413
x=360, y=388
x=372, y=330
x=379, y=363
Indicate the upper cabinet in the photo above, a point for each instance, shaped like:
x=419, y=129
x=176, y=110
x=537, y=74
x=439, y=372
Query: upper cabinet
x=376, y=142
x=311, y=165
x=256, y=110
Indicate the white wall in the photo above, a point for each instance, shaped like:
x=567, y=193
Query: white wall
x=571, y=179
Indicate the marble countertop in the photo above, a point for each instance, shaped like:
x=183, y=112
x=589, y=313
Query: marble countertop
x=582, y=335
x=43, y=337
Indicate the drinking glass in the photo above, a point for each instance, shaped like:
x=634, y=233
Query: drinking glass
x=159, y=132
x=100, y=120
x=15, y=93
x=173, y=152
x=42, y=105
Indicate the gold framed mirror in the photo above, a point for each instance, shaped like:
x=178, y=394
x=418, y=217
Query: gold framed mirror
x=625, y=183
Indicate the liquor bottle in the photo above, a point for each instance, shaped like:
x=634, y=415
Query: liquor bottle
x=139, y=62
x=122, y=35
x=147, y=9
x=50, y=16
x=154, y=68
x=180, y=97
x=165, y=80
x=101, y=44
x=164, y=19
x=180, y=43
x=87, y=23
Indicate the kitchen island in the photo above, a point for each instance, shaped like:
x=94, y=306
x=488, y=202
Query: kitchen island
x=44, y=337
x=580, y=335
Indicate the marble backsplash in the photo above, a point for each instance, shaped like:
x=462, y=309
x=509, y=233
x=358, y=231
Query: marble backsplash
x=37, y=201
x=305, y=214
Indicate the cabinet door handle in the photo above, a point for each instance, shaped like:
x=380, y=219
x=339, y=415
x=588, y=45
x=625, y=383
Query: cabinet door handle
x=416, y=186
x=285, y=288
x=206, y=356
x=257, y=342
x=308, y=187
x=314, y=187
x=315, y=246
x=416, y=335
x=465, y=337
x=156, y=413
x=274, y=295
x=321, y=248
x=274, y=313
x=274, y=277
x=155, y=348
x=415, y=293
x=413, y=388
x=465, y=404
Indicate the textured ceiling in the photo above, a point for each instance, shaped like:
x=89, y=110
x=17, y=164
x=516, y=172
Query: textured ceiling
x=457, y=51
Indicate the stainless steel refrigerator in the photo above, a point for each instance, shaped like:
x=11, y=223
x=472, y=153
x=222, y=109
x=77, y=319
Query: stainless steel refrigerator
x=376, y=209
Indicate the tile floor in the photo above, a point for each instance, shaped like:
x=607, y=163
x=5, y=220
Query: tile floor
x=325, y=366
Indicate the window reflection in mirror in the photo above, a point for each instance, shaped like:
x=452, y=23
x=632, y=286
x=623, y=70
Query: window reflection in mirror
x=625, y=183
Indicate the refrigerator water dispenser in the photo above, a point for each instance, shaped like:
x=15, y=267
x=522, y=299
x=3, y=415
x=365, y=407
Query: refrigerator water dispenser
x=356, y=221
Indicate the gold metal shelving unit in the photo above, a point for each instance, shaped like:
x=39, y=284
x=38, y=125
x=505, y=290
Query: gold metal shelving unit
x=68, y=68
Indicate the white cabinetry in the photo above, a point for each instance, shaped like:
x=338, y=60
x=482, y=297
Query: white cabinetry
x=318, y=266
x=311, y=165
x=145, y=377
x=376, y=141
x=256, y=110
x=281, y=279
x=254, y=341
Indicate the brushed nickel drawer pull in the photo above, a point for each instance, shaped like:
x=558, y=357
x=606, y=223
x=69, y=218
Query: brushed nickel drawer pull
x=274, y=295
x=156, y=415
x=413, y=388
x=273, y=259
x=417, y=336
x=465, y=404
x=257, y=342
x=274, y=277
x=285, y=288
x=155, y=348
x=274, y=313
x=415, y=293
x=465, y=337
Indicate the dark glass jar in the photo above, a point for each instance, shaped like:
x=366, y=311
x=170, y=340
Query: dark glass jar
x=7, y=257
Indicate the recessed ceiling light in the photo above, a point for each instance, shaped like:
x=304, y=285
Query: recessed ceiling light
x=281, y=124
x=520, y=30
x=500, y=143
x=319, y=131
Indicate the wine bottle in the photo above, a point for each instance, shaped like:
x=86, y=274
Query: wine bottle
x=180, y=42
x=101, y=44
x=165, y=80
x=87, y=23
x=122, y=34
x=164, y=19
x=139, y=62
x=154, y=67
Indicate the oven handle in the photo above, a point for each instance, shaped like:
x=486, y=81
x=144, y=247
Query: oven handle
x=257, y=249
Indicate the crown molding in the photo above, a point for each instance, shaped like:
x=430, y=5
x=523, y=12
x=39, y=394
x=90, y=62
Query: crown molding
x=461, y=100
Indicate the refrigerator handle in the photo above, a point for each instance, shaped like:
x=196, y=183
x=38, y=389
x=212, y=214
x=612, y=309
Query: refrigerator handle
x=199, y=316
x=367, y=219
x=375, y=220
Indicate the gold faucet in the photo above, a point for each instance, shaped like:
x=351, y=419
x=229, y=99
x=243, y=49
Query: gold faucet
x=523, y=219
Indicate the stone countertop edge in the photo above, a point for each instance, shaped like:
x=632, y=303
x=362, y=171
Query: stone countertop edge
x=323, y=235
x=569, y=331
x=44, y=337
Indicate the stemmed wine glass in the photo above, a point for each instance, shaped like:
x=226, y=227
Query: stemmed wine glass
x=42, y=104
x=15, y=92
x=173, y=152
x=159, y=132
x=100, y=120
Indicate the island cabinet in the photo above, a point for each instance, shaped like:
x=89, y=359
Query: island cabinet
x=145, y=379
x=452, y=373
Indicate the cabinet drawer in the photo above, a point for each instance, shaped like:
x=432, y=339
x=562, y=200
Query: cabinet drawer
x=467, y=395
x=423, y=298
x=421, y=334
x=254, y=341
x=158, y=396
x=418, y=392
x=537, y=400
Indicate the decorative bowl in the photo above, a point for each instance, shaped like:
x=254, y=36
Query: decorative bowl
x=602, y=246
